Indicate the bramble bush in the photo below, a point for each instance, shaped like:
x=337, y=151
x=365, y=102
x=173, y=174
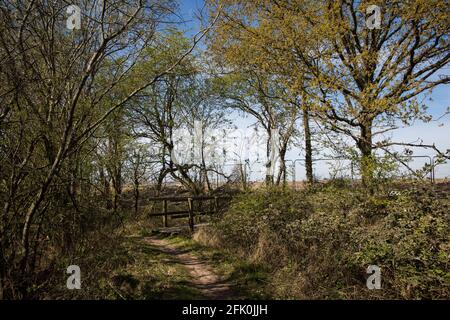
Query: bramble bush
x=319, y=241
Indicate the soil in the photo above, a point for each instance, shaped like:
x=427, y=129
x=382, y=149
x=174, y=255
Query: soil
x=203, y=276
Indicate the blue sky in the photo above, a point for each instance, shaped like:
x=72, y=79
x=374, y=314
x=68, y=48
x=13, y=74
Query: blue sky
x=187, y=10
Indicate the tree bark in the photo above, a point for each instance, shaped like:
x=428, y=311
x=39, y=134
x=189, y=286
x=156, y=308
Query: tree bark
x=136, y=195
x=106, y=188
x=269, y=173
x=367, y=159
x=281, y=177
x=308, y=147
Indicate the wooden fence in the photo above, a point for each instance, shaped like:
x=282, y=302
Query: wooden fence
x=191, y=212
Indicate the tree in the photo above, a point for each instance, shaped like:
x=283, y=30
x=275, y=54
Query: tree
x=138, y=164
x=260, y=96
x=359, y=77
x=52, y=103
x=247, y=38
x=377, y=73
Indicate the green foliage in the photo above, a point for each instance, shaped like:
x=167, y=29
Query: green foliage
x=259, y=210
x=319, y=242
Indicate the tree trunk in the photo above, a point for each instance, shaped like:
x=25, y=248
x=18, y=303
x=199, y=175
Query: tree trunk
x=136, y=195
x=243, y=175
x=161, y=176
x=117, y=185
x=269, y=173
x=367, y=159
x=106, y=188
x=308, y=147
x=282, y=169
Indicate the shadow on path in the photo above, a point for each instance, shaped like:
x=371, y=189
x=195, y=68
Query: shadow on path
x=204, y=279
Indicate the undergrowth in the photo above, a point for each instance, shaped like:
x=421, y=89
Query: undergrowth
x=317, y=243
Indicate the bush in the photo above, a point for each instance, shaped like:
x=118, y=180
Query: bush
x=319, y=242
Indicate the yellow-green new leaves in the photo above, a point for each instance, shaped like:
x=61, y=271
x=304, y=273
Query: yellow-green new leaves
x=356, y=71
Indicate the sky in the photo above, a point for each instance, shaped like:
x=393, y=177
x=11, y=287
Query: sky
x=188, y=10
x=437, y=132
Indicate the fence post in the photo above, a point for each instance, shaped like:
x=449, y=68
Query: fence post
x=294, y=184
x=191, y=215
x=165, y=213
x=198, y=217
x=216, y=204
x=217, y=179
x=432, y=173
x=351, y=170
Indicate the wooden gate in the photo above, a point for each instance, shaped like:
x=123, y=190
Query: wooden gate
x=191, y=212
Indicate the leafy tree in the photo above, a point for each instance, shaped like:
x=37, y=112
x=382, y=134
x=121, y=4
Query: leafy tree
x=260, y=96
x=172, y=105
x=54, y=97
x=359, y=77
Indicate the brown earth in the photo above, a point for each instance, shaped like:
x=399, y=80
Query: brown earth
x=203, y=276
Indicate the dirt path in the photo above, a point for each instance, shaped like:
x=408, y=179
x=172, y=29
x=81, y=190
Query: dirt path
x=203, y=276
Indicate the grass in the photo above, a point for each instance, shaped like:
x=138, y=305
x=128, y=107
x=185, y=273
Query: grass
x=248, y=279
x=153, y=275
x=276, y=244
x=123, y=265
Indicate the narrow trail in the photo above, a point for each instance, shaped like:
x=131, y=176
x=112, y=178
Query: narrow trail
x=203, y=276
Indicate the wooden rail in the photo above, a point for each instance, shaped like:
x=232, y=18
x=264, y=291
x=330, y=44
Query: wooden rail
x=190, y=212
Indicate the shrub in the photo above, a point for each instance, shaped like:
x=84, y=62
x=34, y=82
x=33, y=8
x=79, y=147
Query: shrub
x=319, y=242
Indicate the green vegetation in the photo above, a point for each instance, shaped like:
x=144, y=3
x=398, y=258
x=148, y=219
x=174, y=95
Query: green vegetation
x=98, y=121
x=317, y=243
x=279, y=243
x=248, y=279
x=125, y=267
